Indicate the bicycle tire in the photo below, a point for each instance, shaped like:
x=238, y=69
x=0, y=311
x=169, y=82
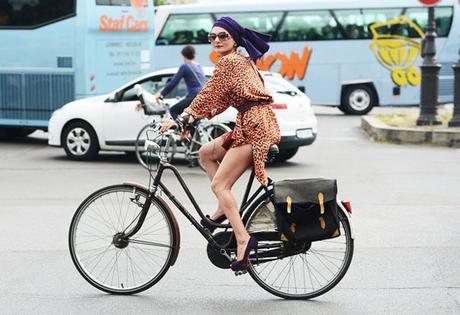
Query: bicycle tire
x=201, y=136
x=148, y=160
x=99, y=219
x=311, y=261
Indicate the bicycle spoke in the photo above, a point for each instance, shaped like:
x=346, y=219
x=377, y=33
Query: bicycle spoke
x=100, y=258
x=145, y=259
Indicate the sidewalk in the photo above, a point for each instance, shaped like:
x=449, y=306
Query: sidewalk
x=440, y=135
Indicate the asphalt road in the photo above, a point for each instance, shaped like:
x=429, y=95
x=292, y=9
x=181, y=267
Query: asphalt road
x=406, y=212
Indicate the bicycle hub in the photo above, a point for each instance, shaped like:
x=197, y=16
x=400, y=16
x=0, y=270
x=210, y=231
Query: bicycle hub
x=120, y=240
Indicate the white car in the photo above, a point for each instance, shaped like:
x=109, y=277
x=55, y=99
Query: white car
x=109, y=122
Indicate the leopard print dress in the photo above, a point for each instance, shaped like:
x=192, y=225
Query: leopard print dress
x=236, y=82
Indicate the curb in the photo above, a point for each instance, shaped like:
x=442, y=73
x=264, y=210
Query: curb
x=440, y=136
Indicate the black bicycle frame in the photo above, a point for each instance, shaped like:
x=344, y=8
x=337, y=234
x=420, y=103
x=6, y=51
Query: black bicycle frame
x=163, y=165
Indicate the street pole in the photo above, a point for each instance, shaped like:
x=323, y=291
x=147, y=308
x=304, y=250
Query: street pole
x=455, y=121
x=430, y=76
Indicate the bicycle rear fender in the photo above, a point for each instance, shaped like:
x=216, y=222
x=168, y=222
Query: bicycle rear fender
x=176, y=245
x=348, y=216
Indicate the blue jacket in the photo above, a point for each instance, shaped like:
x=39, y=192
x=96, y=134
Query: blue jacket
x=193, y=85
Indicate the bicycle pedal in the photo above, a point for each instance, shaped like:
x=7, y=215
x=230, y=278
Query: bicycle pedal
x=240, y=272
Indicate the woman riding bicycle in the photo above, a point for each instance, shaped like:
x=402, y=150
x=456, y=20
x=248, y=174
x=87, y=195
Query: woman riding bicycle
x=235, y=82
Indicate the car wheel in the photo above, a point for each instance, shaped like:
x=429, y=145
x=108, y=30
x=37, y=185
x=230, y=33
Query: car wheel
x=358, y=100
x=80, y=141
x=285, y=154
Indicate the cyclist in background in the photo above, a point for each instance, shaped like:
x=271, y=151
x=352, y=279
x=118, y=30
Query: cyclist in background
x=194, y=78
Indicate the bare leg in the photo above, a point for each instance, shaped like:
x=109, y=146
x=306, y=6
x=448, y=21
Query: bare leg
x=211, y=154
x=235, y=162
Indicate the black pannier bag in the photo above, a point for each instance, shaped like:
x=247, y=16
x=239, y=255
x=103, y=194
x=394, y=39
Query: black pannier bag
x=307, y=209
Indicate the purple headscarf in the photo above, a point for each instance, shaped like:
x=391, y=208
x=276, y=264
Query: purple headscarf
x=255, y=43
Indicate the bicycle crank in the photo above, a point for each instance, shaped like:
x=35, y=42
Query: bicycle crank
x=221, y=258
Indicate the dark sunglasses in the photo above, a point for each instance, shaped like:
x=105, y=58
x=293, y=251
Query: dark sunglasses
x=223, y=36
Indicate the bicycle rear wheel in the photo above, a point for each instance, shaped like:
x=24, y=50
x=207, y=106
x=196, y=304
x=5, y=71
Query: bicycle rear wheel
x=108, y=260
x=303, y=271
x=149, y=160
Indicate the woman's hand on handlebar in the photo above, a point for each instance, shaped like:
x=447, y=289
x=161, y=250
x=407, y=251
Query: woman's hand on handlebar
x=167, y=124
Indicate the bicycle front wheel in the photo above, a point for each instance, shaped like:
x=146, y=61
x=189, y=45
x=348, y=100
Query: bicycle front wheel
x=108, y=260
x=151, y=132
x=302, y=271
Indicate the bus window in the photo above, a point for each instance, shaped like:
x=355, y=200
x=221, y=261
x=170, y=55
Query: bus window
x=371, y=16
x=308, y=25
x=356, y=22
x=121, y=2
x=443, y=16
x=181, y=29
x=23, y=14
x=264, y=22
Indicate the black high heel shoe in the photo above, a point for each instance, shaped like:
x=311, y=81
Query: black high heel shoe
x=208, y=225
x=241, y=266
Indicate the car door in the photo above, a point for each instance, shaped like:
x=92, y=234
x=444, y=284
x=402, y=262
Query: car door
x=121, y=121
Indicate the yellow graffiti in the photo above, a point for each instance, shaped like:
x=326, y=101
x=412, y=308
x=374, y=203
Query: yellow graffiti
x=397, y=53
x=290, y=66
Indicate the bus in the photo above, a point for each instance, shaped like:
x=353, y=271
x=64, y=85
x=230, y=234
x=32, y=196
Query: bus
x=350, y=54
x=55, y=51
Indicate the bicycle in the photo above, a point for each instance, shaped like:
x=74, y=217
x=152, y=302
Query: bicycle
x=204, y=132
x=124, y=238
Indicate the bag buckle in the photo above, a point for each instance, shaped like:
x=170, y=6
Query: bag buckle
x=322, y=223
x=289, y=203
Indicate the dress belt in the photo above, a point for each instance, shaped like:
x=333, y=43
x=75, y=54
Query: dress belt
x=245, y=107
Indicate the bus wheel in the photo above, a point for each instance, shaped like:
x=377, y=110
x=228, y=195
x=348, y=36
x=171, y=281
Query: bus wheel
x=80, y=141
x=358, y=100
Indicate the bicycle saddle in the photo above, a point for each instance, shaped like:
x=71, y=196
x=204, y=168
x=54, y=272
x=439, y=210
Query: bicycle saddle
x=272, y=153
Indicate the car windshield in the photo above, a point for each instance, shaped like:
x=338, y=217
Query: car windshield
x=279, y=85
